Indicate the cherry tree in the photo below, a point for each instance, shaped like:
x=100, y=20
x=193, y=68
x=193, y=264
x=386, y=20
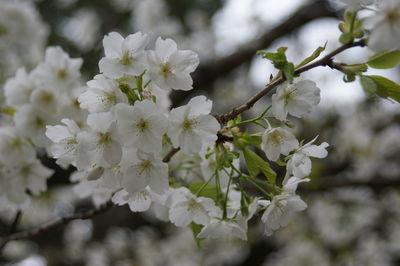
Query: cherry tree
x=125, y=144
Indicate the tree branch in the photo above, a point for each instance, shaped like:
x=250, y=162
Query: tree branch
x=47, y=226
x=325, y=61
x=170, y=154
x=206, y=75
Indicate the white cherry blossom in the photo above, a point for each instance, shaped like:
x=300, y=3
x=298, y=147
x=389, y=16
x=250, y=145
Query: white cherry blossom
x=31, y=123
x=13, y=148
x=100, y=145
x=218, y=228
x=102, y=94
x=18, y=89
x=188, y=208
x=384, y=26
x=354, y=5
x=123, y=56
x=31, y=175
x=191, y=127
x=280, y=211
x=146, y=170
x=295, y=99
x=58, y=71
x=65, y=143
x=138, y=201
x=169, y=67
x=276, y=141
x=45, y=100
x=141, y=125
x=300, y=163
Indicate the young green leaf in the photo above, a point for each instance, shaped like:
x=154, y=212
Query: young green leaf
x=255, y=164
x=241, y=140
x=288, y=72
x=384, y=60
x=207, y=191
x=196, y=228
x=380, y=86
x=280, y=62
x=314, y=55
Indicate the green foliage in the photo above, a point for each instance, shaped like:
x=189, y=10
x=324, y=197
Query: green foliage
x=128, y=91
x=351, y=28
x=202, y=189
x=196, y=228
x=384, y=60
x=351, y=71
x=313, y=56
x=380, y=86
x=280, y=62
x=8, y=110
x=224, y=157
x=255, y=164
x=242, y=140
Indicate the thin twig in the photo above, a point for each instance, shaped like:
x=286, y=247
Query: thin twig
x=325, y=61
x=47, y=226
x=170, y=154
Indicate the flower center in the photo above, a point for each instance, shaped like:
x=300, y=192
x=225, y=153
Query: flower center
x=62, y=73
x=142, y=125
x=26, y=170
x=126, y=58
x=104, y=138
x=108, y=98
x=393, y=16
x=145, y=166
x=46, y=97
x=16, y=143
x=71, y=141
x=189, y=124
x=289, y=95
x=165, y=69
x=193, y=205
x=39, y=122
x=276, y=138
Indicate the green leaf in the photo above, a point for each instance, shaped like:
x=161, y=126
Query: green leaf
x=255, y=164
x=196, y=229
x=314, y=55
x=384, y=60
x=280, y=162
x=351, y=28
x=128, y=91
x=280, y=62
x=242, y=140
x=288, y=71
x=346, y=37
x=208, y=191
x=368, y=86
x=8, y=110
x=381, y=86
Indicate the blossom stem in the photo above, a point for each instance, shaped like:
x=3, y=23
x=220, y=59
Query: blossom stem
x=325, y=61
x=227, y=192
x=205, y=184
x=262, y=116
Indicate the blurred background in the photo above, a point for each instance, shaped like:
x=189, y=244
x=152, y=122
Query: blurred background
x=353, y=217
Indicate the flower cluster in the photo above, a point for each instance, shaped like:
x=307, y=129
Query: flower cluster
x=36, y=99
x=20, y=18
x=120, y=150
